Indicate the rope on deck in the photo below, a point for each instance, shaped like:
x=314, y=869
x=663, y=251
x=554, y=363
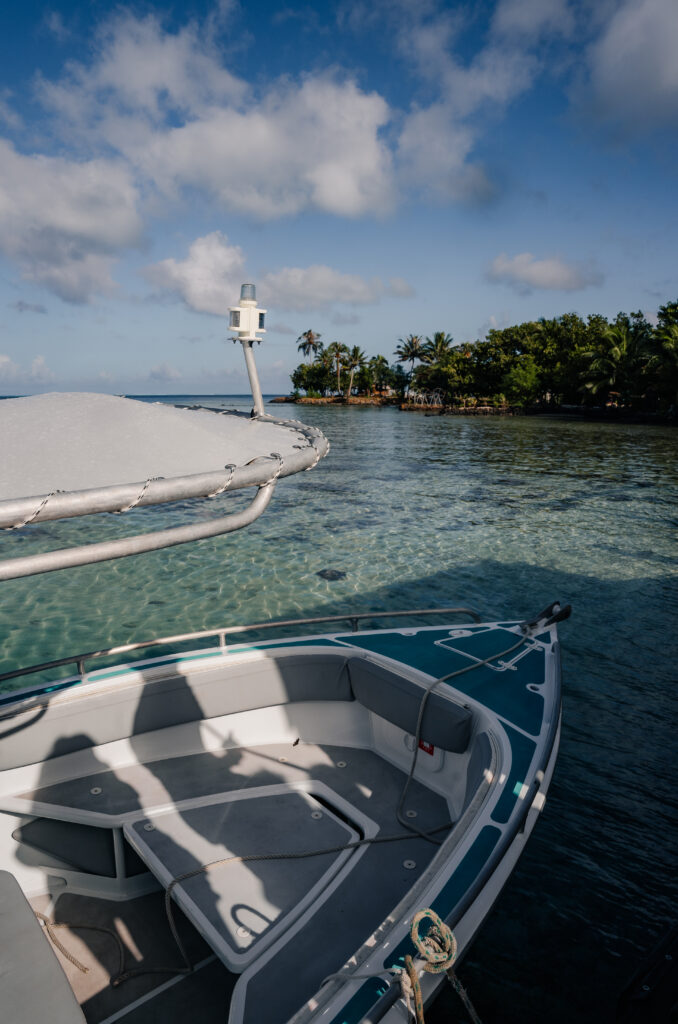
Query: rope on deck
x=50, y=927
x=438, y=951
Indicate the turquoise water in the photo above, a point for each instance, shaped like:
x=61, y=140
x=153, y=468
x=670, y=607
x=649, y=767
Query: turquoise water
x=504, y=515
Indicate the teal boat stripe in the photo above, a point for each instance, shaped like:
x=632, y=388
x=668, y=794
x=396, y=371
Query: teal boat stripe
x=522, y=752
x=461, y=881
x=358, y=1005
x=455, y=888
x=321, y=641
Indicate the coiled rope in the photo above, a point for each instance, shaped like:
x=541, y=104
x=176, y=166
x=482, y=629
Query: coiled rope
x=438, y=950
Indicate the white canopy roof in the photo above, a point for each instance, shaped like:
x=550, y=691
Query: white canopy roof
x=73, y=442
x=65, y=455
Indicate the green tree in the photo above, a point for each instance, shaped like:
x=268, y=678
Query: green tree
x=521, y=383
x=617, y=364
x=353, y=361
x=337, y=353
x=400, y=380
x=381, y=371
x=409, y=350
x=309, y=343
x=454, y=375
x=492, y=358
x=664, y=361
x=667, y=316
x=437, y=348
x=364, y=379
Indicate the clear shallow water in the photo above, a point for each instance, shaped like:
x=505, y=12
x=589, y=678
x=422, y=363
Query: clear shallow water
x=505, y=515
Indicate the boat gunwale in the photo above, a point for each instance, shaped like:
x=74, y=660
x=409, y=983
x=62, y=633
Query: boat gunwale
x=221, y=632
x=508, y=833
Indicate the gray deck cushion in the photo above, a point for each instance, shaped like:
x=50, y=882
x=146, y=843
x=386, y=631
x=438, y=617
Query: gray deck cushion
x=33, y=986
x=73, y=721
x=445, y=724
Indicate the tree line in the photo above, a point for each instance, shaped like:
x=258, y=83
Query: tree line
x=568, y=360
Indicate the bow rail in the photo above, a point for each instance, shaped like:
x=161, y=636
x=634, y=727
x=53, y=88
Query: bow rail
x=353, y=618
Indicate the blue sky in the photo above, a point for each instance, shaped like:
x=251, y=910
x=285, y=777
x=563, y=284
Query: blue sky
x=377, y=168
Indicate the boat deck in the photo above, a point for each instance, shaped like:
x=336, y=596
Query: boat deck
x=366, y=787
x=213, y=763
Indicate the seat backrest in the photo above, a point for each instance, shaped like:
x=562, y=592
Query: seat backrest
x=391, y=696
x=73, y=720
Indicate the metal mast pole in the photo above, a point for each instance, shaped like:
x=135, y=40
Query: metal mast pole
x=247, y=321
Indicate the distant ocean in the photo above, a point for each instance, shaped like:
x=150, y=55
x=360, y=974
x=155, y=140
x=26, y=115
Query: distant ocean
x=504, y=515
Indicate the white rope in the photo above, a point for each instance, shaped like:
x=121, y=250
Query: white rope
x=34, y=516
x=220, y=490
x=273, y=455
x=133, y=504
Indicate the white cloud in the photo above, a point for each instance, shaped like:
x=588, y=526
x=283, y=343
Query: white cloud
x=159, y=114
x=140, y=69
x=311, y=146
x=40, y=373
x=524, y=272
x=632, y=82
x=8, y=369
x=317, y=287
x=493, y=323
x=54, y=24
x=63, y=221
x=436, y=143
x=7, y=115
x=166, y=103
x=164, y=372
x=399, y=288
x=208, y=280
x=433, y=151
x=533, y=18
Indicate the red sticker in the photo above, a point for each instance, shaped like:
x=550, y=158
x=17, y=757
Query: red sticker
x=428, y=748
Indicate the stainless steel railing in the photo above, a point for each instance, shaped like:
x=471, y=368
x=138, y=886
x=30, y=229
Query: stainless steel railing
x=354, y=619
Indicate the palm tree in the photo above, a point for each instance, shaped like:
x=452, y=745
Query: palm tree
x=409, y=350
x=617, y=362
x=336, y=351
x=380, y=370
x=437, y=347
x=666, y=358
x=354, y=360
x=309, y=344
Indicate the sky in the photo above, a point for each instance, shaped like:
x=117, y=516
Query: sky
x=377, y=169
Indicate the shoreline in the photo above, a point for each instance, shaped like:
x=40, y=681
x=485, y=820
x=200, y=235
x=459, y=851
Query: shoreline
x=563, y=412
